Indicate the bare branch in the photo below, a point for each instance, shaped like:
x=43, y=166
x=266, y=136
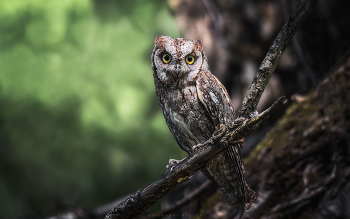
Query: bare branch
x=241, y=128
x=271, y=59
x=144, y=198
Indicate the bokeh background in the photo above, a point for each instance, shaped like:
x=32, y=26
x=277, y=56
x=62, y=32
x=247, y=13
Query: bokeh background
x=80, y=124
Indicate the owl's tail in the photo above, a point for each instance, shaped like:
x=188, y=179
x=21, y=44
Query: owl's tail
x=226, y=171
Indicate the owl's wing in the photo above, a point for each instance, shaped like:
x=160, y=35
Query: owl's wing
x=215, y=99
x=226, y=170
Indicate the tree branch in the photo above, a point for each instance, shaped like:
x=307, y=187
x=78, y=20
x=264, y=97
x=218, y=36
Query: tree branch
x=144, y=198
x=271, y=59
x=241, y=128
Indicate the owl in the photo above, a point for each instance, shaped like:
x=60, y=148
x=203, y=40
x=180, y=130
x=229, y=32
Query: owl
x=194, y=104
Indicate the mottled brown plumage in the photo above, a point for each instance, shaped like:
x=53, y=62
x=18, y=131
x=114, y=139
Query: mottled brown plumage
x=194, y=104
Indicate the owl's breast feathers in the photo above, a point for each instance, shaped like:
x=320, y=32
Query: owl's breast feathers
x=192, y=112
x=187, y=118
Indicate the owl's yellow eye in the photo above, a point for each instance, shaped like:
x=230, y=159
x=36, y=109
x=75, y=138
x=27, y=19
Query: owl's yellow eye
x=189, y=59
x=166, y=58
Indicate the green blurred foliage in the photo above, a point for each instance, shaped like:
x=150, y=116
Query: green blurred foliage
x=79, y=120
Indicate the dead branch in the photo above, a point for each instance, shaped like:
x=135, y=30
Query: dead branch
x=243, y=126
x=272, y=57
x=144, y=198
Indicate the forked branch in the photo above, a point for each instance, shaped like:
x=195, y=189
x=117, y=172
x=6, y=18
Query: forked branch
x=244, y=125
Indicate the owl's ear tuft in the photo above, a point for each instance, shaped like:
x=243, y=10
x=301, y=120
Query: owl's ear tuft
x=198, y=45
x=160, y=40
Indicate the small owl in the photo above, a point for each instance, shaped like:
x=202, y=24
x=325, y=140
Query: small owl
x=194, y=104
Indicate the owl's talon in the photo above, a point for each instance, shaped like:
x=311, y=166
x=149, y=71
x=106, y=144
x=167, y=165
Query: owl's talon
x=196, y=147
x=220, y=132
x=172, y=164
x=237, y=123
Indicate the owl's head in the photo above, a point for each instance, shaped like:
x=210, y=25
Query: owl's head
x=177, y=61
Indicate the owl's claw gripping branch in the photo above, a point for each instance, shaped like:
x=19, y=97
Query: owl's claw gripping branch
x=196, y=148
x=220, y=132
x=245, y=124
x=172, y=163
x=249, y=126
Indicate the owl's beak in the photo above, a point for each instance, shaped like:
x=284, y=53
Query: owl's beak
x=177, y=69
